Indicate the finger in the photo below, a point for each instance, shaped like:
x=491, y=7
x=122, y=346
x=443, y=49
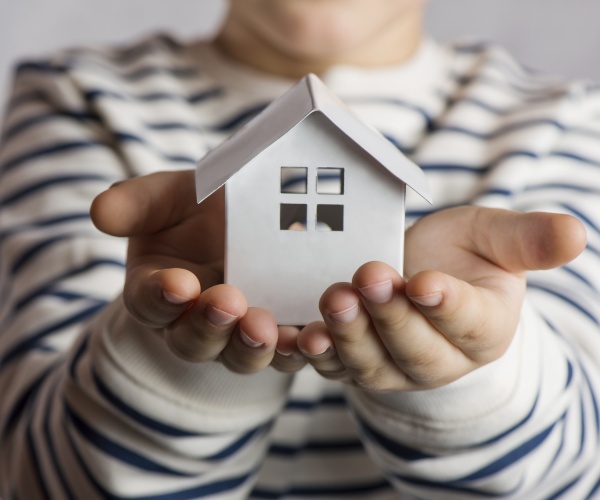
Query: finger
x=521, y=242
x=205, y=329
x=479, y=321
x=144, y=204
x=357, y=343
x=415, y=346
x=288, y=357
x=252, y=346
x=156, y=298
x=317, y=346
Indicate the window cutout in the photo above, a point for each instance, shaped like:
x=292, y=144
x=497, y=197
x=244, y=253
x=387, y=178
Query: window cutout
x=330, y=181
x=292, y=217
x=294, y=180
x=330, y=217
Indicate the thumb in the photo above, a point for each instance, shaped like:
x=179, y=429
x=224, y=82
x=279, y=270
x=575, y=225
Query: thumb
x=145, y=204
x=521, y=242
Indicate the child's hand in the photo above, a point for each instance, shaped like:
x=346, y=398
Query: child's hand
x=175, y=274
x=458, y=310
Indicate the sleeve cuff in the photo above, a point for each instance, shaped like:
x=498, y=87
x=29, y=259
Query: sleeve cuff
x=135, y=365
x=479, y=406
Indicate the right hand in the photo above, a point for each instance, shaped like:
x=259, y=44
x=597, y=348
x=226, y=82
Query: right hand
x=174, y=276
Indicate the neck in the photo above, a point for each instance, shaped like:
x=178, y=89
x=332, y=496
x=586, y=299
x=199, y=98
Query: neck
x=393, y=45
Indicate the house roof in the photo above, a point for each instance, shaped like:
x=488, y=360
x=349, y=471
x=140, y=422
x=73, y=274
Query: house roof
x=309, y=95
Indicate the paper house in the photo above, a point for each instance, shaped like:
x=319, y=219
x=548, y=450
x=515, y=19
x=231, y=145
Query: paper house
x=312, y=193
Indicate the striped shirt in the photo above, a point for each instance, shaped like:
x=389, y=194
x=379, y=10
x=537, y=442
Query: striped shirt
x=93, y=408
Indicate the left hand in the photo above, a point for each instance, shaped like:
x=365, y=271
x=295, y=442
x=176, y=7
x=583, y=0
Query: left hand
x=458, y=309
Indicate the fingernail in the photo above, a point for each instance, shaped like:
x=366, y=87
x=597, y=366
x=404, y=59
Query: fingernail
x=378, y=293
x=431, y=300
x=326, y=350
x=294, y=355
x=345, y=316
x=248, y=341
x=218, y=317
x=174, y=299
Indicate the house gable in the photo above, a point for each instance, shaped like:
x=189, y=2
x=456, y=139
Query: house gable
x=306, y=97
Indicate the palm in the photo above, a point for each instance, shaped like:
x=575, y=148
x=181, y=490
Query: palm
x=194, y=242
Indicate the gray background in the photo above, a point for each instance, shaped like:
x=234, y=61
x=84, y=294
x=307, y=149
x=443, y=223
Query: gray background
x=556, y=36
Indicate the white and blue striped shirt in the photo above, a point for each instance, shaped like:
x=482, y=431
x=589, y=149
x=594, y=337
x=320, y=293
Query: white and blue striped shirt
x=93, y=408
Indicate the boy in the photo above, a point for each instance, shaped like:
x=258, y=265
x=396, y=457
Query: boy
x=472, y=376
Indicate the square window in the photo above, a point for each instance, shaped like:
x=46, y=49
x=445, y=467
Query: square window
x=330, y=181
x=330, y=217
x=292, y=217
x=294, y=180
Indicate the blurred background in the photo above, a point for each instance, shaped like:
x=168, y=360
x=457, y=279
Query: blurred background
x=555, y=36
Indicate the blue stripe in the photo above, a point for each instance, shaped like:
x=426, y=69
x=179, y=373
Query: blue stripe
x=512, y=429
x=237, y=120
x=576, y=188
x=52, y=181
x=580, y=188
x=564, y=298
x=34, y=250
x=569, y=270
x=78, y=356
x=507, y=129
x=560, y=493
x=29, y=343
x=214, y=488
x=394, y=447
x=50, y=150
x=319, y=447
x=49, y=288
x=238, y=444
x=576, y=157
x=161, y=126
x=117, y=451
x=472, y=101
x=91, y=95
x=582, y=423
x=512, y=457
x=34, y=462
x=130, y=54
x=131, y=76
x=483, y=169
x=319, y=492
x=310, y=404
x=592, y=393
x=138, y=417
x=581, y=216
x=528, y=94
x=42, y=223
x=127, y=137
x=27, y=395
x=23, y=125
x=44, y=66
x=457, y=488
x=25, y=97
x=398, y=103
x=55, y=463
x=570, y=373
x=594, y=490
x=169, y=430
x=401, y=147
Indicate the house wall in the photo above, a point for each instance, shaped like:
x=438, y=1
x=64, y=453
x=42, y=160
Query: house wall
x=287, y=271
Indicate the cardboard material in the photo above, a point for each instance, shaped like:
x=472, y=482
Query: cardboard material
x=312, y=193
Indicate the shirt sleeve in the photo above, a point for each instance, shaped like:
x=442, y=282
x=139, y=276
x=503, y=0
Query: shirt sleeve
x=93, y=405
x=527, y=425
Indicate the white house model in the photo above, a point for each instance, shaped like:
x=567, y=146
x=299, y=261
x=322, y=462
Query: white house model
x=312, y=193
